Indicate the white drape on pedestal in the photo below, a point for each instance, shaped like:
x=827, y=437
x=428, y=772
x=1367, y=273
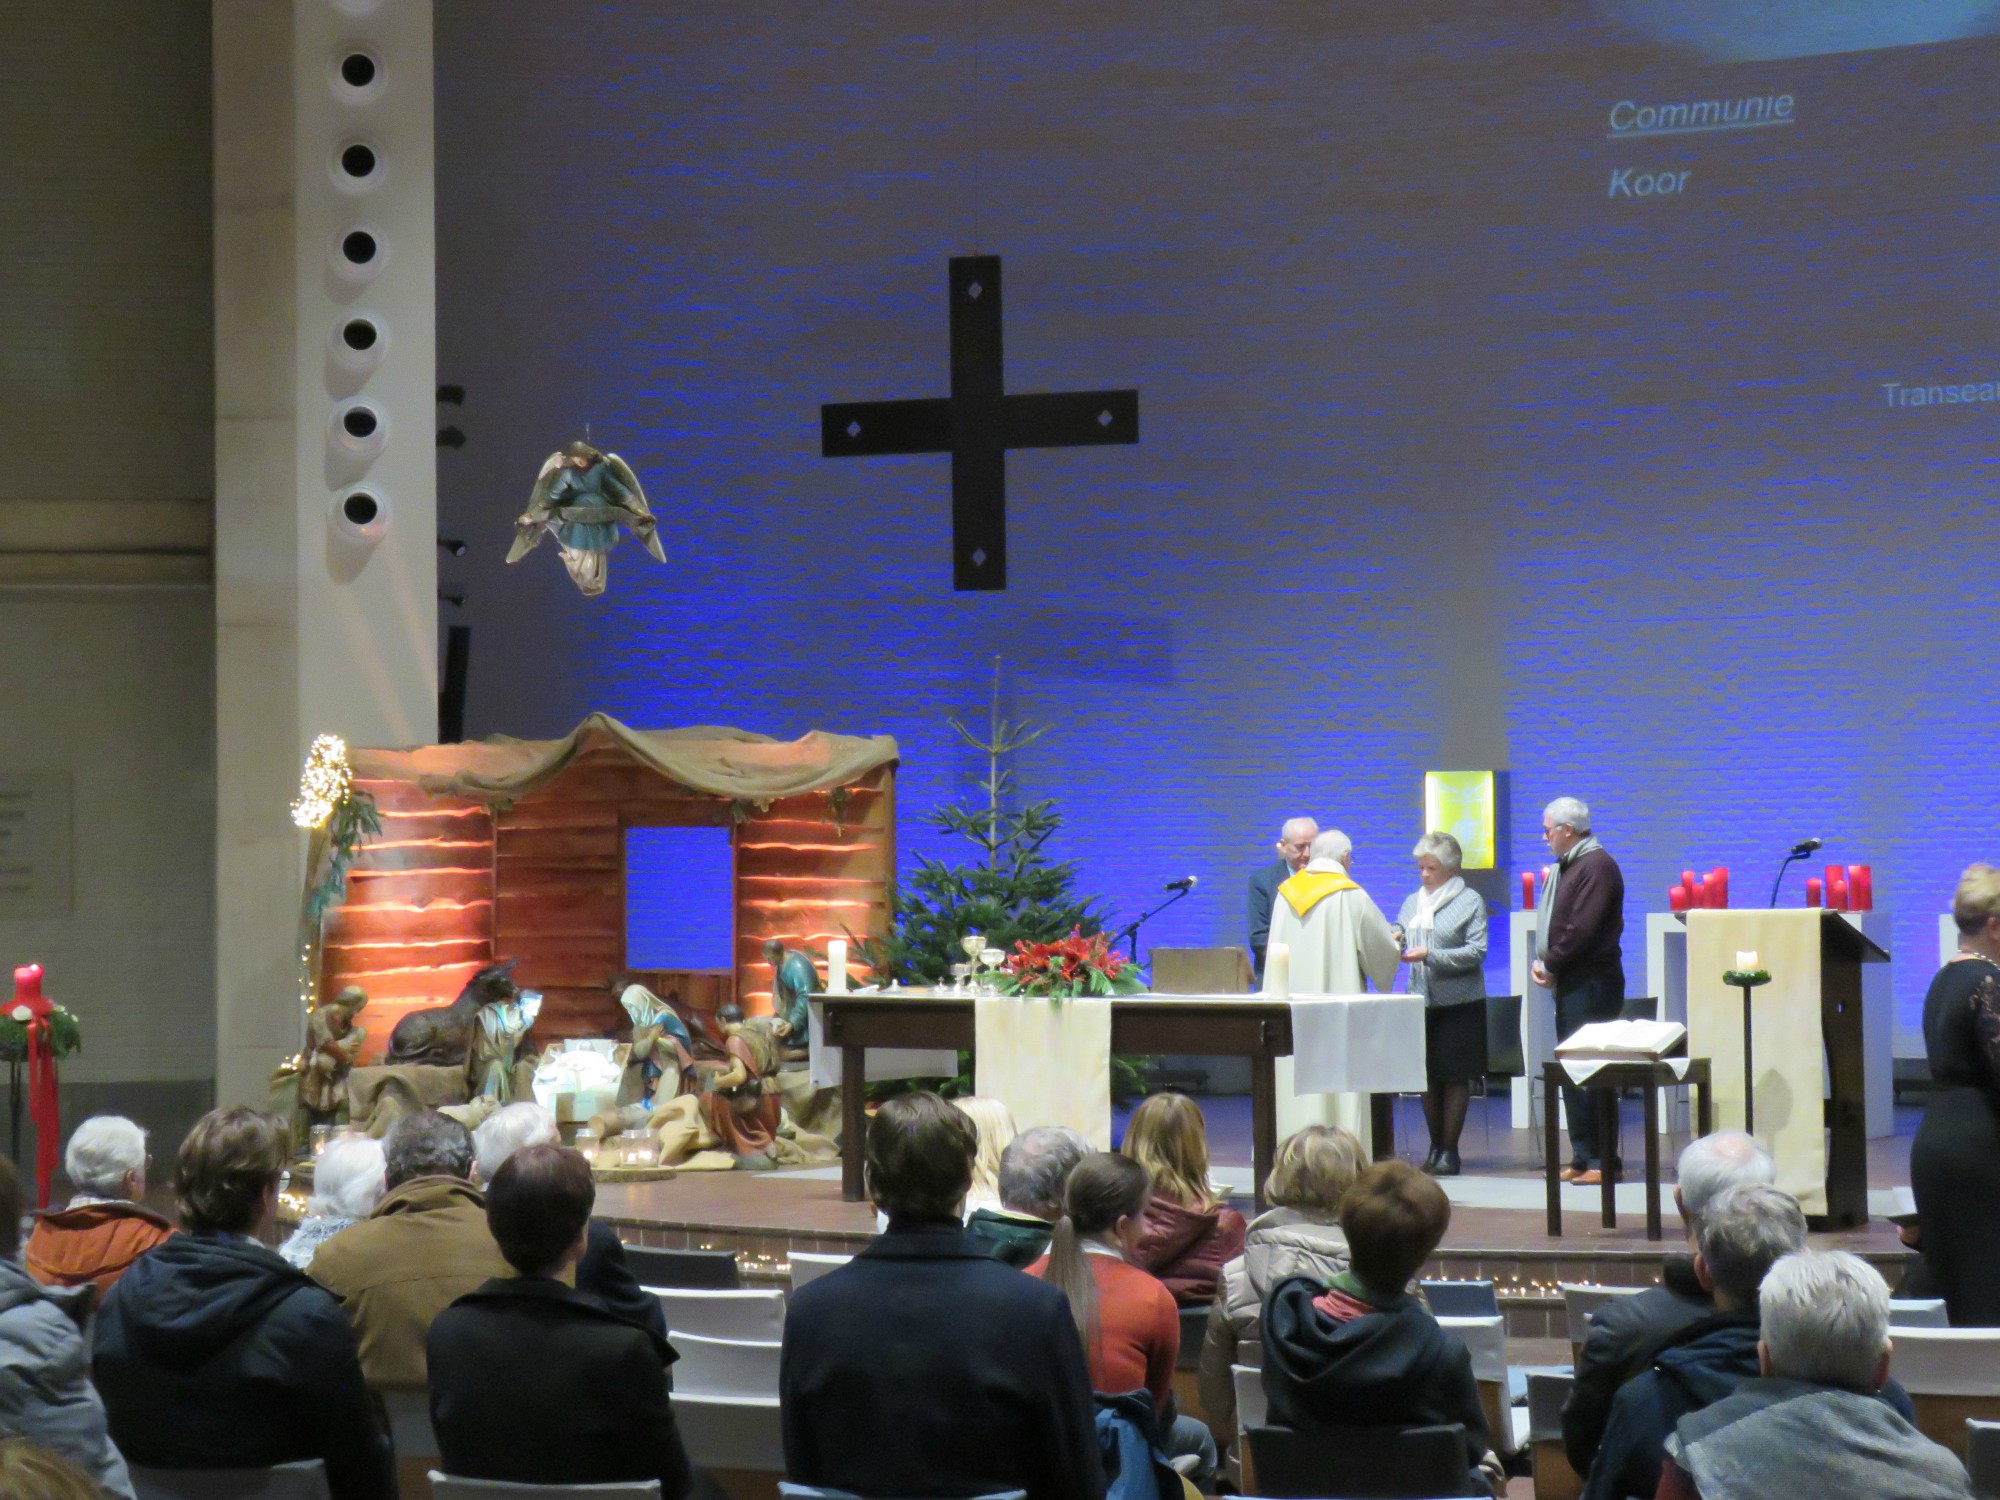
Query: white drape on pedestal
x=1048, y=1062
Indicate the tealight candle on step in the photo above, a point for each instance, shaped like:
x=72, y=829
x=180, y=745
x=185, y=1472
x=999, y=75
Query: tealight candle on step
x=1746, y=963
x=1278, y=971
x=836, y=966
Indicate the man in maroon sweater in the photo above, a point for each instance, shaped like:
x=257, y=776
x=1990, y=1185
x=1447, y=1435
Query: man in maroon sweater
x=1578, y=927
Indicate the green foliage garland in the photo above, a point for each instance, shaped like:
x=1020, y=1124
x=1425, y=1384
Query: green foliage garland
x=353, y=818
x=65, y=1036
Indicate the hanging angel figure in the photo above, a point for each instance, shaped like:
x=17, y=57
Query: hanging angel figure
x=582, y=497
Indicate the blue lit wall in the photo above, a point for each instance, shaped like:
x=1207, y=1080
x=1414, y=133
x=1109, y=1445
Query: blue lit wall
x=1453, y=455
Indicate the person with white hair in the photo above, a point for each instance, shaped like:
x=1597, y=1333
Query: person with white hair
x=103, y=1229
x=1579, y=927
x=1442, y=932
x=1821, y=1417
x=1744, y=1232
x=603, y=1272
x=1626, y=1332
x=1338, y=941
x=347, y=1184
x=1294, y=848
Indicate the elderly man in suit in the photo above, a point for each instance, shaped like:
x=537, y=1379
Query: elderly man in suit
x=1294, y=849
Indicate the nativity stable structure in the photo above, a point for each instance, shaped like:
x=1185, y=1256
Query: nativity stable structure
x=516, y=849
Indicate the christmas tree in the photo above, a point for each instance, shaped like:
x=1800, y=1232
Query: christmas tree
x=1012, y=892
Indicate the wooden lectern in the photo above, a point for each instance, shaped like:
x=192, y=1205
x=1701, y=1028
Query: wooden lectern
x=1811, y=1093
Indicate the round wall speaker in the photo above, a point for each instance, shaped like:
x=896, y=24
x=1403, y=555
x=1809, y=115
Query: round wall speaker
x=360, y=512
x=358, y=340
x=356, y=166
x=355, y=75
x=357, y=253
x=359, y=427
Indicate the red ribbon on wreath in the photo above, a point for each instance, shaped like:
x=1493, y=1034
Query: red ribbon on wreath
x=44, y=1103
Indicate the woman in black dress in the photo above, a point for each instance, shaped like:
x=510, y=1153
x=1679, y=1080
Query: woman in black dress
x=1955, y=1161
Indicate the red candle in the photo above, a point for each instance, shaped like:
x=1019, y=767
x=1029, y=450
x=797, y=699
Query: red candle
x=1836, y=894
x=1527, y=890
x=1861, y=887
x=1677, y=898
x=1722, y=885
x=1693, y=886
x=1711, y=892
x=1835, y=874
x=1812, y=890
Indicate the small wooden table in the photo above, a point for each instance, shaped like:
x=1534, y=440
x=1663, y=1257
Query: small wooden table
x=1603, y=1088
x=1260, y=1030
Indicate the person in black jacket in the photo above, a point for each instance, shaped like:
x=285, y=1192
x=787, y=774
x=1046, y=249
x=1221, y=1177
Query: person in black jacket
x=1628, y=1332
x=604, y=1272
x=212, y=1353
x=533, y=1382
x=1294, y=849
x=924, y=1366
x=1360, y=1351
x=1743, y=1233
x=1579, y=953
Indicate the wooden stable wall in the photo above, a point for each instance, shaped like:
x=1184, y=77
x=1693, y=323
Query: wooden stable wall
x=559, y=863
x=802, y=877
x=447, y=887
x=417, y=921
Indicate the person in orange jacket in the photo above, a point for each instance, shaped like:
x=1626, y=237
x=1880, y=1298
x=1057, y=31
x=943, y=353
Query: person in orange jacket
x=103, y=1229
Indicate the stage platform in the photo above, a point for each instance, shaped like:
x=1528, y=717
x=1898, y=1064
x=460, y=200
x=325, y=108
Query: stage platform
x=1498, y=1230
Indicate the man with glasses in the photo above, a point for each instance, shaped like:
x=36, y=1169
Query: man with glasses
x=1294, y=849
x=1579, y=925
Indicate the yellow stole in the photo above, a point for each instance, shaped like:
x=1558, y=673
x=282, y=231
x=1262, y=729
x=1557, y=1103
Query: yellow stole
x=1305, y=890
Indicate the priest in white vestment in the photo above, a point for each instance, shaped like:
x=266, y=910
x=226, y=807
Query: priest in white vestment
x=1338, y=937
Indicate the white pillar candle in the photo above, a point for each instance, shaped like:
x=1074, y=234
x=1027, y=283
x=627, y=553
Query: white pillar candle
x=1746, y=963
x=836, y=966
x=1278, y=971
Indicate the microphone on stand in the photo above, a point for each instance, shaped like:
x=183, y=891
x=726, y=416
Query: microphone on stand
x=1185, y=883
x=1799, y=851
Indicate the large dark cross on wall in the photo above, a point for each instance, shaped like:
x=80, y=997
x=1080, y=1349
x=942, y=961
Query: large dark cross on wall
x=976, y=424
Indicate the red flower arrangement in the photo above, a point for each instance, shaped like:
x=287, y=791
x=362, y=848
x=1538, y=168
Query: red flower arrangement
x=1069, y=967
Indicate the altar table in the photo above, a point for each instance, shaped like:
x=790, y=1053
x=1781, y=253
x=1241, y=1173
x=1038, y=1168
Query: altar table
x=1248, y=1026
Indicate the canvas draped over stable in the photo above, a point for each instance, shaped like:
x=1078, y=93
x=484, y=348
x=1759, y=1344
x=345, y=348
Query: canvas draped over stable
x=718, y=761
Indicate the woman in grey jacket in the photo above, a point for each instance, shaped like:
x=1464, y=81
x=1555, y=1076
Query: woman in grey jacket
x=1442, y=928
x=45, y=1390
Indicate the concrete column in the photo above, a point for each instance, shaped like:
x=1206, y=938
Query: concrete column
x=322, y=626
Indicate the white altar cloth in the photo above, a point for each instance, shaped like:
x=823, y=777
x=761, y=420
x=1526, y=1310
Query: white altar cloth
x=1344, y=1048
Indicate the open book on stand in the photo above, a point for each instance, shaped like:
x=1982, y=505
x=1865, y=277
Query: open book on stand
x=1618, y=1041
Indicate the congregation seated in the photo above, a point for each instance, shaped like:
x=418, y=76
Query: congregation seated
x=347, y=1184
x=1744, y=1232
x=534, y=1382
x=923, y=1366
x=604, y=1272
x=423, y=1247
x=993, y=1125
x=1190, y=1233
x=1034, y=1170
x=1811, y=1422
x=1299, y=1235
x=1125, y=1319
x=45, y=1390
x=211, y=1352
x=1627, y=1332
x=103, y=1229
x=1361, y=1350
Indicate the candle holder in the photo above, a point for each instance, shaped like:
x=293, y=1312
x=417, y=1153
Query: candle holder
x=1747, y=980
